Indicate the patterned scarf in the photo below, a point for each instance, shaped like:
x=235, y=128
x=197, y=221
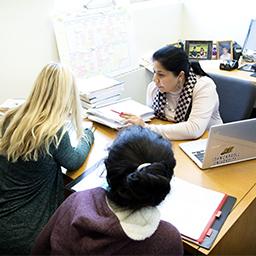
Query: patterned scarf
x=184, y=102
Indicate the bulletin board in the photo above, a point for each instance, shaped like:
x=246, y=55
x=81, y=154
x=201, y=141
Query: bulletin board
x=96, y=42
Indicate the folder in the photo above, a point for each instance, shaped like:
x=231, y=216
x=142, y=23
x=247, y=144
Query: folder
x=218, y=222
x=197, y=212
x=193, y=210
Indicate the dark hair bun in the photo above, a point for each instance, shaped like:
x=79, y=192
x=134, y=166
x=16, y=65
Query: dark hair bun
x=146, y=187
x=132, y=187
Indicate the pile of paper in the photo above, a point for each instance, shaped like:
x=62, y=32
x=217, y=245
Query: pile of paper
x=111, y=115
x=146, y=61
x=99, y=91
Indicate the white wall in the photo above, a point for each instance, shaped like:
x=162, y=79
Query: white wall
x=135, y=84
x=218, y=19
x=27, y=39
x=156, y=23
x=27, y=43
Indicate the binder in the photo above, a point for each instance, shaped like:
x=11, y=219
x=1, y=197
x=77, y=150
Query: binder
x=216, y=226
x=218, y=223
x=95, y=177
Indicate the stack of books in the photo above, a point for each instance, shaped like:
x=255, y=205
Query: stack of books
x=147, y=62
x=111, y=115
x=99, y=91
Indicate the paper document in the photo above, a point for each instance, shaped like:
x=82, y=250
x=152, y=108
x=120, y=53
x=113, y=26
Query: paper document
x=110, y=115
x=101, y=103
x=95, y=179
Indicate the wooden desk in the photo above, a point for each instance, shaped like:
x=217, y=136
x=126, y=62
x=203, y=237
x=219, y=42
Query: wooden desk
x=237, y=235
x=212, y=66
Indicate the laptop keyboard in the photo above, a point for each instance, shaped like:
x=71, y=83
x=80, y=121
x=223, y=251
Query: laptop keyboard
x=199, y=155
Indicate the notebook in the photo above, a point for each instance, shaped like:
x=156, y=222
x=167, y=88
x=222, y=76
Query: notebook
x=227, y=143
x=190, y=208
x=110, y=115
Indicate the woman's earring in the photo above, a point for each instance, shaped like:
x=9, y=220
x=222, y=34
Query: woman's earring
x=178, y=86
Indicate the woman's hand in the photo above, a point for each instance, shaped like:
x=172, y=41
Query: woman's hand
x=132, y=119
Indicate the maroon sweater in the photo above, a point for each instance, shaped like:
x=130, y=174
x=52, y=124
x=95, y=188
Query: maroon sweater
x=84, y=225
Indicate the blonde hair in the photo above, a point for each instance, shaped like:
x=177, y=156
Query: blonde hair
x=28, y=130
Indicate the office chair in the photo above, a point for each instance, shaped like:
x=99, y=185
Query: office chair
x=237, y=97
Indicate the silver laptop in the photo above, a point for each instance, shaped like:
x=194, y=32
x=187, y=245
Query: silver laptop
x=227, y=143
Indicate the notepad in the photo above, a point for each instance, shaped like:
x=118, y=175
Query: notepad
x=109, y=116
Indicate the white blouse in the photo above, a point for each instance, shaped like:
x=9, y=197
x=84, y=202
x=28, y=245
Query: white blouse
x=204, y=112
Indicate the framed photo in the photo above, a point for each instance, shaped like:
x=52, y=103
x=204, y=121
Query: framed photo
x=199, y=50
x=225, y=50
x=214, y=51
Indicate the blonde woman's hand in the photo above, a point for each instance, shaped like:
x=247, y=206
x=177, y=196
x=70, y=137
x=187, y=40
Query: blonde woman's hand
x=132, y=119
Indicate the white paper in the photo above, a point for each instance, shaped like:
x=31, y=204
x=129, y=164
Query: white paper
x=189, y=207
x=96, y=41
x=95, y=179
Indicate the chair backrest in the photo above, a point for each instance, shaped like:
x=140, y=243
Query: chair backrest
x=237, y=97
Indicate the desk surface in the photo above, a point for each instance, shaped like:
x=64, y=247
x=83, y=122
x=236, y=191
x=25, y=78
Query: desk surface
x=238, y=180
x=212, y=66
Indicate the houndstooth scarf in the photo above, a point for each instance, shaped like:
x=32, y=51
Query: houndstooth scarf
x=184, y=102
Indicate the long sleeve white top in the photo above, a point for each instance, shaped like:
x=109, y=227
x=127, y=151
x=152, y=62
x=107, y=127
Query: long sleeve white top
x=204, y=112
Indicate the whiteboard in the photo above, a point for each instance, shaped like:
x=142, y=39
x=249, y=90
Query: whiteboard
x=96, y=42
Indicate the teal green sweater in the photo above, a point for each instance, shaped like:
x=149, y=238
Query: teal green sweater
x=30, y=192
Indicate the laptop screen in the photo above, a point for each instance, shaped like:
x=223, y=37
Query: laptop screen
x=249, y=47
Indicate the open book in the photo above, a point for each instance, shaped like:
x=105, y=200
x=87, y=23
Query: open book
x=110, y=115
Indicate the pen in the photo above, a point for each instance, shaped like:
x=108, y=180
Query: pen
x=93, y=129
x=119, y=113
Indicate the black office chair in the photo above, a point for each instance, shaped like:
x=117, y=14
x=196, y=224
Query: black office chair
x=237, y=97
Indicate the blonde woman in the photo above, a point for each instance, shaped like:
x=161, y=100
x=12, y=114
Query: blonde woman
x=34, y=144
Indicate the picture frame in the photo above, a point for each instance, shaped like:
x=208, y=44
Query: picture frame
x=225, y=50
x=214, y=51
x=199, y=49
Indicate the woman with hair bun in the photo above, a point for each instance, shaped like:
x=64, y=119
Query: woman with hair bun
x=123, y=218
